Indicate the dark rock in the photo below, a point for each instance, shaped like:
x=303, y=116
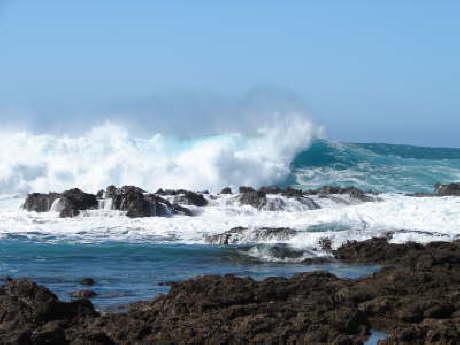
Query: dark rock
x=256, y=199
x=415, y=301
x=87, y=281
x=239, y=234
x=244, y=190
x=40, y=202
x=353, y=192
x=137, y=203
x=270, y=190
x=226, y=190
x=448, y=189
x=74, y=200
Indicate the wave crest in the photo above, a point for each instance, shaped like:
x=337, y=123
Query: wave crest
x=109, y=154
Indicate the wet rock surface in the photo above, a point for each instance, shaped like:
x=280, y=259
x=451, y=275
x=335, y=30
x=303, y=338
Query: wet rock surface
x=448, y=189
x=415, y=299
x=240, y=234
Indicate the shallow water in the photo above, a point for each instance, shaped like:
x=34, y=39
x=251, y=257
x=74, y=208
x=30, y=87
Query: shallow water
x=134, y=270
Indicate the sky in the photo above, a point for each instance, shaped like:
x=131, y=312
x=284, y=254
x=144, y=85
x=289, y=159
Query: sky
x=378, y=71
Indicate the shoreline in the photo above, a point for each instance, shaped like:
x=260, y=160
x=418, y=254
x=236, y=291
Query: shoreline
x=415, y=299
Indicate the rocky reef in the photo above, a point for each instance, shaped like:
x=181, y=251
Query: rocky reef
x=137, y=202
x=415, y=299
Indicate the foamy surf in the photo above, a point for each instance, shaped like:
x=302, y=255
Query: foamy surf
x=420, y=219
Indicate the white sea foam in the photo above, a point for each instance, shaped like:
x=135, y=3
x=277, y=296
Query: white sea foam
x=421, y=219
x=110, y=155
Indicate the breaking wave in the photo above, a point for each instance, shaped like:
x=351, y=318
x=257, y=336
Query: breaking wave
x=110, y=155
x=290, y=150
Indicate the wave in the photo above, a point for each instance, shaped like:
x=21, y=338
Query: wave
x=108, y=155
x=383, y=167
x=289, y=151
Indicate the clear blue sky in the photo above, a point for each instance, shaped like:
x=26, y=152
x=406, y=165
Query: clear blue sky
x=368, y=70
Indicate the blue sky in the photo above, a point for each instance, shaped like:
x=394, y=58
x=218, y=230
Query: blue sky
x=383, y=71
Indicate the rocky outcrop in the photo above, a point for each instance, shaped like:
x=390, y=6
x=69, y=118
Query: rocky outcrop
x=256, y=199
x=137, y=203
x=416, y=300
x=226, y=190
x=31, y=314
x=448, y=189
x=39, y=202
x=68, y=204
x=184, y=196
x=239, y=235
x=72, y=201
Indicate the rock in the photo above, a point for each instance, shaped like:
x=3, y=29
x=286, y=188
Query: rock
x=415, y=300
x=74, y=200
x=256, y=199
x=353, y=192
x=137, y=203
x=83, y=294
x=28, y=312
x=184, y=196
x=40, y=202
x=87, y=281
x=239, y=234
x=244, y=190
x=448, y=189
x=226, y=190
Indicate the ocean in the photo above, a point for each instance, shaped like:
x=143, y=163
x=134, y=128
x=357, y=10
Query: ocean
x=129, y=257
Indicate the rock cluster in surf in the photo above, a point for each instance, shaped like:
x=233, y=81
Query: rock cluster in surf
x=136, y=202
x=416, y=300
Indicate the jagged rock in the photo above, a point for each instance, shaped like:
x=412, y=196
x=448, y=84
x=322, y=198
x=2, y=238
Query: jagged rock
x=416, y=301
x=184, y=196
x=244, y=189
x=40, y=202
x=26, y=307
x=226, y=190
x=256, y=199
x=353, y=192
x=74, y=200
x=448, y=189
x=137, y=203
x=241, y=234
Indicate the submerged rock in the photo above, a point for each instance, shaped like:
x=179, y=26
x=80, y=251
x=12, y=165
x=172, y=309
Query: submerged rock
x=87, y=281
x=239, y=235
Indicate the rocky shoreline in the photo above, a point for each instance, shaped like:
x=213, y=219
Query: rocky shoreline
x=415, y=299
x=137, y=202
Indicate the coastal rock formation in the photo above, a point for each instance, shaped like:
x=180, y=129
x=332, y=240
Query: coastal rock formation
x=31, y=314
x=448, y=189
x=137, y=203
x=226, y=190
x=415, y=300
x=72, y=201
x=184, y=196
x=39, y=202
x=240, y=234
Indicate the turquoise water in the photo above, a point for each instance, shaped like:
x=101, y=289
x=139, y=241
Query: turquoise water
x=382, y=167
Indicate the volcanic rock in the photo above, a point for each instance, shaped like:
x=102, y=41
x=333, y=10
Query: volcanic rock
x=448, y=189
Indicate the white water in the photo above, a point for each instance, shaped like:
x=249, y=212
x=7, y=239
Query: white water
x=421, y=219
x=110, y=155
